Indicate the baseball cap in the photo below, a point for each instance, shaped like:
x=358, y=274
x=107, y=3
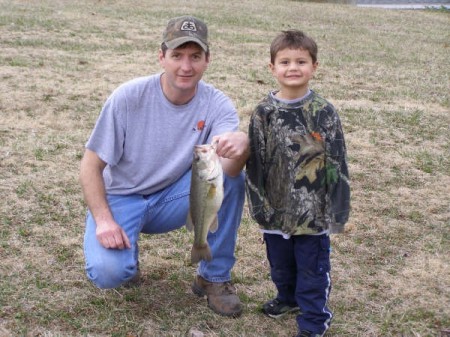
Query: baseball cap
x=185, y=29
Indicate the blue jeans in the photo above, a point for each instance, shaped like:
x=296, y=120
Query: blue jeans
x=300, y=270
x=162, y=212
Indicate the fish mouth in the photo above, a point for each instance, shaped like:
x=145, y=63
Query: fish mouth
x=197, y=149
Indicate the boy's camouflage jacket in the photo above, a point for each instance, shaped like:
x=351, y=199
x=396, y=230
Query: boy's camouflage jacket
x=297, y=177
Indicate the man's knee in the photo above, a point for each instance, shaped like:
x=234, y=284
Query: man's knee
x=235, y=184
x=233, y=202
x=108, y=276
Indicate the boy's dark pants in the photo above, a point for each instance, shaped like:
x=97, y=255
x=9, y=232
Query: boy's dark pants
x=300, y=269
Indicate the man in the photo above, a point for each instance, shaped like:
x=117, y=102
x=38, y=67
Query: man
x=135, y=173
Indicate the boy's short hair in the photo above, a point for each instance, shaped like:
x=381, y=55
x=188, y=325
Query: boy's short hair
x=293, y=39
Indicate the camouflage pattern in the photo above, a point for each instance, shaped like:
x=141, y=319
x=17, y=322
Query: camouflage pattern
x=297, y=177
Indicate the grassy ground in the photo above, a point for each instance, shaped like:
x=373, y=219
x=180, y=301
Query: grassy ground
x=388, y=73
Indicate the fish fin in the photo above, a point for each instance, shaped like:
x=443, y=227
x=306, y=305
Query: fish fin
x=200, y=252
x=189, y=223
x=212, y=192
x=214, y=225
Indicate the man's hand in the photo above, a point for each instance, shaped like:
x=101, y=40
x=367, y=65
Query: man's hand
x=112, y=236
x=233, y=148
x=231, y=145
x=108, y=232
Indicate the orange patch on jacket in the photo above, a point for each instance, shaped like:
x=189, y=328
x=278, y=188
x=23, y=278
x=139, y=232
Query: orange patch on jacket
x=316, y=136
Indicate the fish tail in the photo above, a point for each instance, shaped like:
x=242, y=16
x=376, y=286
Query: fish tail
x=200, y=252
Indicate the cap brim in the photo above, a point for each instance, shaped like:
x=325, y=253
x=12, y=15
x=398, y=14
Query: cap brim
x=175, y=43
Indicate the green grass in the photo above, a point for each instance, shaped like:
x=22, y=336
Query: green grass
x=388, y=74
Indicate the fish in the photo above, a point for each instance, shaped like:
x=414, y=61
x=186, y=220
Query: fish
x=205, y=199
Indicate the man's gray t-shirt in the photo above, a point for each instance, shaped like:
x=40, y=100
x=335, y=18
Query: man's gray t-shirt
x=147, y=142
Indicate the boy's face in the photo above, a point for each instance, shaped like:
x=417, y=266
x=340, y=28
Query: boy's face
x=293, y=68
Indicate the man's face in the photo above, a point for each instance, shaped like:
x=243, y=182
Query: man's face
x=184, y=67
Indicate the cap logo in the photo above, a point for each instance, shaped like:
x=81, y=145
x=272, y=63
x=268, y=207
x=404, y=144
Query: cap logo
x=188, y=25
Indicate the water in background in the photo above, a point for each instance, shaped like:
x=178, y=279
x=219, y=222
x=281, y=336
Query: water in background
x=393, y=4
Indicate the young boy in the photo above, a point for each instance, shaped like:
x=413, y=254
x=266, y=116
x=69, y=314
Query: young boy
x=297, y=183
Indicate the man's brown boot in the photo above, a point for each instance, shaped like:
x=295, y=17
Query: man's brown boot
x=222, y=297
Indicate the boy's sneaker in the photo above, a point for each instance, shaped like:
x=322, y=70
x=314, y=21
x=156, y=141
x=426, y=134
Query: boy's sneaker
x=276, y=309
x=304, y=333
